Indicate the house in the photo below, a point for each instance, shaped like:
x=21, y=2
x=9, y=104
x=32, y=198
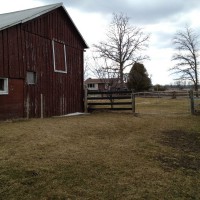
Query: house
x=41, y=63
x=103, y=84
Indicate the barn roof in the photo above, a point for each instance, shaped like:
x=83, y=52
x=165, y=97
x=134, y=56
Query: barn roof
x=98, y=80
x=13, y=18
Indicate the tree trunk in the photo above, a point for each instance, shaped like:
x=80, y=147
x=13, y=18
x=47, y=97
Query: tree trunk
x=196, y=89
x=196, y=76
x=121, y=75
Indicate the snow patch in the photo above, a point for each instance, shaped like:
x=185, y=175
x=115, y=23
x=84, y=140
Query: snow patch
x=73, y=114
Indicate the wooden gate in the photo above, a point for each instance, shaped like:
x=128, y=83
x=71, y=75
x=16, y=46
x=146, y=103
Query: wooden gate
x=109, y=100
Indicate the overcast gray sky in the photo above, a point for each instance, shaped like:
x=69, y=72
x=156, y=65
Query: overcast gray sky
x=160, y=18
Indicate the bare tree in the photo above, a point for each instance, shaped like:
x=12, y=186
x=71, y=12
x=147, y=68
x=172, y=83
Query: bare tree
x=86, y=68
x=106, y=72
x=124, y=44
x=186, y=55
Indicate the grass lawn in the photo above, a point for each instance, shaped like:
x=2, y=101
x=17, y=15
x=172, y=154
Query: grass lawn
x=164, y=105
x=105, y=155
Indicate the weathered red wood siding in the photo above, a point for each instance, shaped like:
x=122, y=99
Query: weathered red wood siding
x=28, y=47
x=11, y=106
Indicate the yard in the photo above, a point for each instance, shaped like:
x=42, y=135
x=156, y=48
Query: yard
x=164, y=105
x=103, y=155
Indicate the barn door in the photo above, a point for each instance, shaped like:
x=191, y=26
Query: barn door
x=11, y=104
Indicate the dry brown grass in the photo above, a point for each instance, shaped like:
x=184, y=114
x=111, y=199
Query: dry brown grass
x=101, y=156
x=164, y=105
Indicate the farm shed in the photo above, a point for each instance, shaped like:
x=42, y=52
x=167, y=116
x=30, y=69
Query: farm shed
x=41, y=63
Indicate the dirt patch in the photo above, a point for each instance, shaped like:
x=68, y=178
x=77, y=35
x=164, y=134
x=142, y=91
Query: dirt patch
x=184, y=162
x=186, y=150
x=182, y=140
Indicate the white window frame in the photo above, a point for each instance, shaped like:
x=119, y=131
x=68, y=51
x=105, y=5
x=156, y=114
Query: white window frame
x=91, y=85
x=5, y=91
x=54, y=60
x=34, y=78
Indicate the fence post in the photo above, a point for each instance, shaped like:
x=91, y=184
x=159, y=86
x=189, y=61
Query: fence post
x=192, y=102
x=174, y=95
x=27, y=106
x=111, y=101
x=42, y=106
x=133, y=102
x=85, y=99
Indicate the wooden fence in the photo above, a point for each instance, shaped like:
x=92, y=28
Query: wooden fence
x=125, y=100
x=110, y=100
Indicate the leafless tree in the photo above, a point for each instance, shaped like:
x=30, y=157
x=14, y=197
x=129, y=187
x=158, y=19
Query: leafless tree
x=123, y=45
x=186, y=43
x=106, y=72
x=87, y=68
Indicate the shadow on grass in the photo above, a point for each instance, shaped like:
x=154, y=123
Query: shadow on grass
x=185, y=153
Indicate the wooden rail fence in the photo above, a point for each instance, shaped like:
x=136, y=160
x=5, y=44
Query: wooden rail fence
x=125, y=100
x=112, y=100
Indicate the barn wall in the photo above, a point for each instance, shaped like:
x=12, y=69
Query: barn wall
x=28, y=47
x=56, y=25
x=11, y=105
x=11, y=58
x=11, y=67
x=62, y=93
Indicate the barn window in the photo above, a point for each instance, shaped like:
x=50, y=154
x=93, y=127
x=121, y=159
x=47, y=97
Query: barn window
x=31, y=78
x=59, y=56
x=3, y=86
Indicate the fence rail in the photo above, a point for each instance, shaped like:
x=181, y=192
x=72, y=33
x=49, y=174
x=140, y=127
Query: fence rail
x=125, y=100
x=111, y=100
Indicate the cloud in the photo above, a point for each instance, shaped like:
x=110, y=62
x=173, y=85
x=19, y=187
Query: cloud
x=161, y=18
x=7, y=6
x=141, y=11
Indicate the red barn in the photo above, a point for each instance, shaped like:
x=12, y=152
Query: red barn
x=41, y=63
